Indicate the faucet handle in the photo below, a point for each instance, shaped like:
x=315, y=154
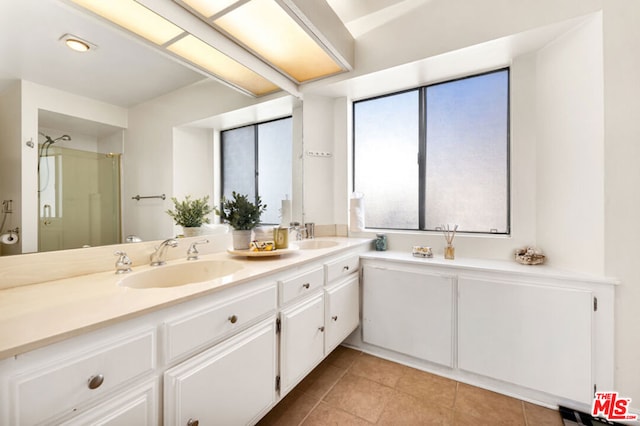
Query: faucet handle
x=123, y=264
x=192, y=253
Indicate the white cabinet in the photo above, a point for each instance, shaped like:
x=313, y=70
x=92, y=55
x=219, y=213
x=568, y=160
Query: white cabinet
x=409, y=311
x=233, y=383
x=319, y=309
x=137, y=406
x=77, y=375
x=301, y=340
x=342, y=311
x=532, y=335
x=228, y=314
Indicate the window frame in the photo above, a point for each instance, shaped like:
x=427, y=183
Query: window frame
x=256, y=154
x=422, y=150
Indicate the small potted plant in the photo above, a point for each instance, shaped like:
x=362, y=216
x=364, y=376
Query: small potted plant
x=242, y=215
x=191, y=214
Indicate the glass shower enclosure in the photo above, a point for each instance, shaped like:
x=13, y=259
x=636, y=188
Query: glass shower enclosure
x=79, y=199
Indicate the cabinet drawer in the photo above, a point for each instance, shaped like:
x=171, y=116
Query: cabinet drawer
x=342, y=267
x=137, y=406
x=300, y=285
x=187, y=333
x=62, y=386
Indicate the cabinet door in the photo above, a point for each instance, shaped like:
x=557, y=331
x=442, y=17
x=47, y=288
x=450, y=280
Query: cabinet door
x=232, y=383
x=138, y=406
x=301, y=340
x=342, y=307
x=533, y=336
x=408, y=311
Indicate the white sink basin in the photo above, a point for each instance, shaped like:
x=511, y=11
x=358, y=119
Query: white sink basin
x=181, y=274
x=315, y=244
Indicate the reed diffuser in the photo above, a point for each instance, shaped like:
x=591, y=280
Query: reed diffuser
x=449, y=234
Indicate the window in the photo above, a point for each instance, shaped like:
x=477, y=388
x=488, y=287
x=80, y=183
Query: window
x=436, y=155
x=256, y=160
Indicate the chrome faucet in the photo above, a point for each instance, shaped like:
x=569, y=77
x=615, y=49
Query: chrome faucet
x=300, y=230
x=192, y=253
x=123, y=264
x=157, y=257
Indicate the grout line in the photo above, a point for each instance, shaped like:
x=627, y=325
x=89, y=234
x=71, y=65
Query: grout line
x=344, y=373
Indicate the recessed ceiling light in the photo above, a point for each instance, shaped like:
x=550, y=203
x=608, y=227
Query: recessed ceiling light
x=76, y=43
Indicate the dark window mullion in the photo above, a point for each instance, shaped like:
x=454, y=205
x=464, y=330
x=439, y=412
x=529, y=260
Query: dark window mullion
x=256, y=165
x=422, y=158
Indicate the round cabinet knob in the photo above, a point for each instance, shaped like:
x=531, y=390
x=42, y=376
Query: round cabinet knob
x=193, y=422
x=96, y=381
x=335, y=318
x=321, y=328
x=232, y=319
x=306, y=285
x=345, y=268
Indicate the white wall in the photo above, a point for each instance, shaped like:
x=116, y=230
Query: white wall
x=570, y=150
x=192, y=165
x=318, y=136
x=622, y=189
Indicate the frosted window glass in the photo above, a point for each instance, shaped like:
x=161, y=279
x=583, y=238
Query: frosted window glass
x=268, y=144
x=274, y=166
x=238, y=162
x=386, y=167
x=467, y=150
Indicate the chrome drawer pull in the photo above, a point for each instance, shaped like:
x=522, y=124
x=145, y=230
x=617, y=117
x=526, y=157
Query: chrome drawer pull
x=95, y=381
x=233, y=319
x=193, y=422
x=306, y=285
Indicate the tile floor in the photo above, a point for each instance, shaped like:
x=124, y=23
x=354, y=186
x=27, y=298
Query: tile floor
x=353, y=388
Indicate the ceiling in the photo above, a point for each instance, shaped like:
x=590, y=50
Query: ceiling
x=121, y=71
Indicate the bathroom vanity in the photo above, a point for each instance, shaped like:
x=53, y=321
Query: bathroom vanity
x=183, y=354
x=100, y=348
x=534, y=332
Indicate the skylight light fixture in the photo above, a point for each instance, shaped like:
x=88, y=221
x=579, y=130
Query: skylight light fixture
x=277, y=31
x=256, y=46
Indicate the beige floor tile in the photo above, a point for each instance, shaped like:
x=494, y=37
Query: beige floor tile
x=541, y=416
x=343, y=357
x=377, y=369
x=291, y=410
x=359, y=396
x=326, y=415
x=428, y=387
x=494, y=408
x=321, y=380
x=406, y=410
x=466, y=419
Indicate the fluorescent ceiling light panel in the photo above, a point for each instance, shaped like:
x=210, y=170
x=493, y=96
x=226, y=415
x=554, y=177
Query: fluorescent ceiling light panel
x=268, y=30
x=208, y=8
x=211, y=60
x=135, y=18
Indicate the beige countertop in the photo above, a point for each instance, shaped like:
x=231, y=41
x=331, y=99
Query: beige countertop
x=36, y=315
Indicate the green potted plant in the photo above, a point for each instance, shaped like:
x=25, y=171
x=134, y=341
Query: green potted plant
x=242, y=215
x=191, y=214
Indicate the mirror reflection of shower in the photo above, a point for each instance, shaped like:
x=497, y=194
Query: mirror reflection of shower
x=78, y=188
x=44, y=152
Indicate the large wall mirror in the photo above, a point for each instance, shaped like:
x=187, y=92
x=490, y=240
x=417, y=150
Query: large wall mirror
x=82, y=133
